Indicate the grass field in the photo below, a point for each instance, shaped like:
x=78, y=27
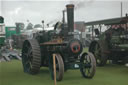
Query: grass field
x=11, y=73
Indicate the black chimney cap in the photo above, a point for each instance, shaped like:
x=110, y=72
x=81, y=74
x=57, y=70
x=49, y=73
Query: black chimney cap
x=70, y=6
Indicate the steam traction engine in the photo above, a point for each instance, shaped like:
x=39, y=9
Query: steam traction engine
x=38, y=52
x=112, y=44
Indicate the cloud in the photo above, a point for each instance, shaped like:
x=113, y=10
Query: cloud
x=51, y=11
x=16, y=11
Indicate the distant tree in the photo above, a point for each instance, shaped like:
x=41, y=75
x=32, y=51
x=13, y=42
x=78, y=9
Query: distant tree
x=29, y=26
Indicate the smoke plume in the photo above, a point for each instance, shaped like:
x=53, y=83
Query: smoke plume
x=81, y=3
x=78, y=4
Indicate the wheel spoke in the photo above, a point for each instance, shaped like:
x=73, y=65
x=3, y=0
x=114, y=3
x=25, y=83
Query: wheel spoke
x=29, y=51
x=89, y=70
x=86, y=71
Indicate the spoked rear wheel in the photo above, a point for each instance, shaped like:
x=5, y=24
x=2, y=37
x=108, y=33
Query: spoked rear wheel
x=99, y=54
x=31, y=56
x=59, y=67
x=88, y=65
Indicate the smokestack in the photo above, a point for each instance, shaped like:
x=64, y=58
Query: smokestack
x=63, y=17
x=70, y=17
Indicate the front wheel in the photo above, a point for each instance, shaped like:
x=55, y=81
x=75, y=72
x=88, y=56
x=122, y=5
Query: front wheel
x=88, y=65
x=59, y=67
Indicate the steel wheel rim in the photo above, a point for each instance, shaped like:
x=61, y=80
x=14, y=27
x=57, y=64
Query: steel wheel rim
x=88, y=66
x=30, y=60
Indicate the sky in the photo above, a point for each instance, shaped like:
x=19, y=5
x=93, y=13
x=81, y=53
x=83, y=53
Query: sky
x=51, y=10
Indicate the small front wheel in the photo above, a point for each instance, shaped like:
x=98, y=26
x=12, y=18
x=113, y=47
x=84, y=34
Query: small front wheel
x=88, y=65
x=59, y=67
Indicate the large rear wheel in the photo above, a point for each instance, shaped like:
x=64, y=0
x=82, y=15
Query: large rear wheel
x=31, y=56
x=98, y=52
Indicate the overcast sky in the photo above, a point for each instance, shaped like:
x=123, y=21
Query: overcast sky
x=51, y=10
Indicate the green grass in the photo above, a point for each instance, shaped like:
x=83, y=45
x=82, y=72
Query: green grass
x=11, y=73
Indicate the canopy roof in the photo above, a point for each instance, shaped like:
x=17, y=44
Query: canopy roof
x=119, y=20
